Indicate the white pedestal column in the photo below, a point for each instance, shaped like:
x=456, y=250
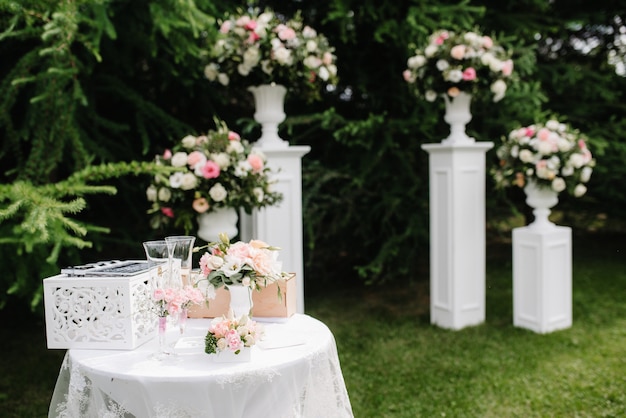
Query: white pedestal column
x=542, y=278
x=281, y=225
x=457, y=233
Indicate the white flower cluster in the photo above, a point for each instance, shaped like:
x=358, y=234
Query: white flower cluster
x=261, y=48
x=553, y=154
x=453, y=63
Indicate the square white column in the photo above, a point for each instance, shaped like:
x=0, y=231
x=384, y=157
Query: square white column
x=542, y=278
x=457, y=233
x=281, y=225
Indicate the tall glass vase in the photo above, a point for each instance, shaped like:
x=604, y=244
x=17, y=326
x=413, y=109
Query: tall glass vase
x=163, y=351
x=269, y=103
x=458, y=115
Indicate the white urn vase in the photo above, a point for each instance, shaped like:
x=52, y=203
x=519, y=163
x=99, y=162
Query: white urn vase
x=541, y=199
x=213, y=223
x=457, y=116
x=240, y=300
x=269, y=103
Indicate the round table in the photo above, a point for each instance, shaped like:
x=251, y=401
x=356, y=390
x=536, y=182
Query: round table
x=293, y=372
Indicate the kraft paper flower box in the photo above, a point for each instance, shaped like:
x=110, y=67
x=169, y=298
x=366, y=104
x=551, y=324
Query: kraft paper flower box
x=100, y=309
x=266, y=303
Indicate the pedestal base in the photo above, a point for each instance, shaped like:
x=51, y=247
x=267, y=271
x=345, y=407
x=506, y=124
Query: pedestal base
x=457, y=233
x=542, y=278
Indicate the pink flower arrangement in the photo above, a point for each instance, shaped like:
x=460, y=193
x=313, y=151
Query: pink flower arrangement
x=553, y=155
x=262, y=47
x=170, y=301
x=229, y=333
x=452, y=63
x=253, y=264
x=212, y=171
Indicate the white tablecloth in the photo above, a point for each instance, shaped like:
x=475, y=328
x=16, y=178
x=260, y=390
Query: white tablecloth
x=294, y=372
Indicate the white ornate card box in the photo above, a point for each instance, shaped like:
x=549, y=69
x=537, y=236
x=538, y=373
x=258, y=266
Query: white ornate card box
x=106, y=308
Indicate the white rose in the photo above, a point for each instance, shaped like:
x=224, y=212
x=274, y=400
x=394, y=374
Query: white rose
x=265, y=17
x=580, y=190
x=498, y=88
x=164, y=194
x=176, y=180
x=576, y=160
x=189, y=141
x=251, y=57
x=189, y=181
x=242, y=169
x=442, y=65
x=332, y=69
x=495, y=65
x=514, y=151
x=151, y=193
x=585, y=175
x=544, y=147
x=309, y=32
x=215, y=262
x=218, y=192
x=323, y=73
x=312, y=61
x=179, y=159
x=486, y=58
x=564, y=145
x=223, y=79
x=234, y=146
x=455, y=76
x=567, y=171
x=526, y=156
x=258, y=193
x=553, y=125
x=283, y=56
x=244, y=69
x=558, y=184
x=222, y=159
x=416, y=62
x=311, y=45
x=211, y=71
x=430, y=50
x=430, y=95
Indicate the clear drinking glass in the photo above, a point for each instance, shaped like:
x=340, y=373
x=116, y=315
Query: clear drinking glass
x=183, y=250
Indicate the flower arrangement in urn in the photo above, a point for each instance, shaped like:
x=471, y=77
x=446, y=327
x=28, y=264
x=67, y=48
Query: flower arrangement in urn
x=227, y=333
x=551, y=154
x=261, y=48
x=251, y=264
x=454, y=62
x=216, y=170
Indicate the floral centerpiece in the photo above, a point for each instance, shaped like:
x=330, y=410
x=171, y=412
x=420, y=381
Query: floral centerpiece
x=453, y=62
x=261, y=48
x=552, y=154
x=228, y=333
x=216, y=170
x=251, y=264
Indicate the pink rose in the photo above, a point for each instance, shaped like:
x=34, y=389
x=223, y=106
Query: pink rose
x=167, y=154
x=253, y=37
x=240, y=250
x=225, y=27
x=233, y=340
x=327, y=58
x=543, y=134
x=250, y=25
x=487, y=42
x=256, y=162
x=159, y=294
x=205, y=266
x=194, y=158
x=233, y=136
x=457, y=52
x=406, y=74
x=469, y=74
x=529, y=132
x=169, y=212
x=210, y=170
x=286, y=33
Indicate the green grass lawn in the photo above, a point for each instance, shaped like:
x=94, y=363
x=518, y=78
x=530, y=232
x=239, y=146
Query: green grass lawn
x=395, y=364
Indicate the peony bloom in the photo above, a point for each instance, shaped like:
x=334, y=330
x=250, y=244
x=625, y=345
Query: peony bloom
x=256, y=162
x=210, y=170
